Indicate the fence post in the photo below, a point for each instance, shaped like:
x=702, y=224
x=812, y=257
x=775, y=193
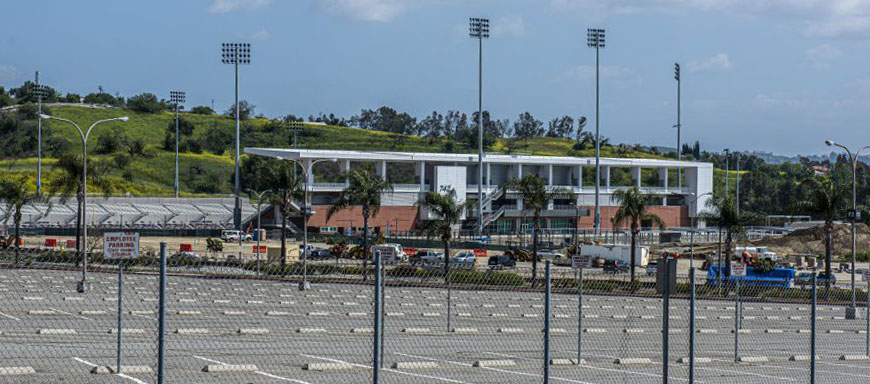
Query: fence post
x=448, y=300
x=547, y=324
x=691, y=325
x=580, y=316
x=161, y=318
x=813, y=334
x=381, y=272
x=376, y=353
x=120, y=314
x=736, y=319
x=666, y=307
x=867, y=331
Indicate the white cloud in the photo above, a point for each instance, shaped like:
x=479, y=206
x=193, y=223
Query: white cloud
x=814, y=17
x=717, y=62
x=226, y=6
x=823, y=55
x=261, y=34
x=8, y=73
x=366, y=10
x=510, y=26
x=619, y=76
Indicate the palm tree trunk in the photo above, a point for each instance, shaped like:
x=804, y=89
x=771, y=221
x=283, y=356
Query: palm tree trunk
x=633, y=250
x=536, y=228
x=446, y=260
x=365, y=244
x=727, y=254
x=17, y=232
x=828, y=246
x=283, y=238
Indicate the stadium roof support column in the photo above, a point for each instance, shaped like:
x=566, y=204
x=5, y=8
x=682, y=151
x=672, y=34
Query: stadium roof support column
x=346, y=171
x=421, y=172
x=549, y=174
x=606, y=176
x=635, y=176
x=383, y=169
x=579, y=170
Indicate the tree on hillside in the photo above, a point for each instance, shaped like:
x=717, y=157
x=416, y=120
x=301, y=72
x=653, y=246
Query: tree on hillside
x=432, y=126
x=536, y=197
x=185, y=130
x=634, y=212
x=68, y=185
x=581, y=124
x=103, y=98
x=526, y=126
x=385, y=119
x=15, y=194
x=5, y=99
x=561, y=127
x=202, y=110
x=454, y=121
x=447, y=211
x=147, y=103
x=364, y=190
x=823, y=199
x=246, y=110
x=72, y=98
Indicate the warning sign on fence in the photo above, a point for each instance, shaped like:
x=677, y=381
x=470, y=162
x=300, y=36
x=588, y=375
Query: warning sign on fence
x=738, y=270
x=121, y=245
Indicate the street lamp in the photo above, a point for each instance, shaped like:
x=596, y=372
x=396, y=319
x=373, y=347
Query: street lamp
x=41, y=93
x=306, y=211
x=479, y=29
x=595, y=39
x=259, y=203
x=855, y=216
x=235, y=54
x=177, y=99
x=678, y=126
x=82, y=285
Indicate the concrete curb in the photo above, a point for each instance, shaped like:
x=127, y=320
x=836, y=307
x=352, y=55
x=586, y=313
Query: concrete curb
x=326, y=366
x=191, y=331
x=56, y=331
x=463, y=330
x=632, y=361
x=698, y=360
x=229, y=368
x=493, y=363
x=753, y=359
x=854, y=357
x=566, y=362
x=415, y=330
x=11, y=371
x=134, y=369
x=252, y=331
x=415, y=365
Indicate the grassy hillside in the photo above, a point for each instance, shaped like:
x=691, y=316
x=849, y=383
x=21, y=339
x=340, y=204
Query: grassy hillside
x=152, y=173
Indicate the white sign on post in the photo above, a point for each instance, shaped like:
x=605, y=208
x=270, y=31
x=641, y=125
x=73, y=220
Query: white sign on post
x=866, y=275
x=121, y=245
x=738, y=269
x=580, y=261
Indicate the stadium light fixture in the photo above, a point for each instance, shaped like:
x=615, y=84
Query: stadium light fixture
x=177, y=98
x=595, y=39
x=236, y=54
x=478, y=28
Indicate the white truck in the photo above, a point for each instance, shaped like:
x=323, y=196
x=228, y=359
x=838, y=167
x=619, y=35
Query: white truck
x=616, y=252
x=390, y=253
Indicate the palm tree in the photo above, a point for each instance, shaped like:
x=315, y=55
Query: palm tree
x=822, y=199
x=364, y=189
x=723, y=213
x=633, y=211
x=68, y=184
x=536, y=196
x=448, y=212
x=15, y=194
x=286, y=189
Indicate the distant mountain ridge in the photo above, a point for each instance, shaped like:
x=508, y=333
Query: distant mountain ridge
x=772, y=158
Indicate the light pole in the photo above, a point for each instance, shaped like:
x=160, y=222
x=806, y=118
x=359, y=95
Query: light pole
x=737, y=183
x=259, y=203
x=306, y=211
x=177, y=98
x=41, y=93
x=678, y=126
x=479, y=29
x=595, y=39
x=235, y=54
x=855, y=215
x=82, y=285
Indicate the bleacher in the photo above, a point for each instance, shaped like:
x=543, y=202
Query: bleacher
x=137, y=212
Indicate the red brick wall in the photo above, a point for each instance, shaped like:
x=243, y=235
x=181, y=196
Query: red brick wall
x=672, y=216
x=404, y=217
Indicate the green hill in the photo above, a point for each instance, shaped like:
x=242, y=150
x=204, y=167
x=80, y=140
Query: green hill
x=206, y=158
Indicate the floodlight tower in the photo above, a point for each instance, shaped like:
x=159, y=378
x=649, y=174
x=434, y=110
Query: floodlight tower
x=678, y=126
x=177, y=99
x=595, y=39
x=235, y=54
x=41, y=93
x=479, y=29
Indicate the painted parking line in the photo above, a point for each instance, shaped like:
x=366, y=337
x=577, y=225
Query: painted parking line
x=9, y=316
x=556, y=378
x=387, y=369
x=70, y=314
x=824, y=371
x=597, y=368
x=261, y=373
x=744, y=373
x=92, y=365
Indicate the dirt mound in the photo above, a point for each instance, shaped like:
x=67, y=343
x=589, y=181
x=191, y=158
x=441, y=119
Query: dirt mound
x=812, y=240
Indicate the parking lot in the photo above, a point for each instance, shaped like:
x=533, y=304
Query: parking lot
x=258, y=331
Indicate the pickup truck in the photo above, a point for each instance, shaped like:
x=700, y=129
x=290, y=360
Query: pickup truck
x=615, y=266
x=501, y=262
x=429, y=257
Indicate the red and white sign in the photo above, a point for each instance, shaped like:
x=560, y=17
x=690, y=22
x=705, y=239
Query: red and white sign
x=580, y=261
x=121, y=245
x=479, y=252
x=738, y=269
x=262, y=249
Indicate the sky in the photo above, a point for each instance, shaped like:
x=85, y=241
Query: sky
x=774, y=75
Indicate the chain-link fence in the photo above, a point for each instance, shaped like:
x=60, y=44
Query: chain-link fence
x=227, y=321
